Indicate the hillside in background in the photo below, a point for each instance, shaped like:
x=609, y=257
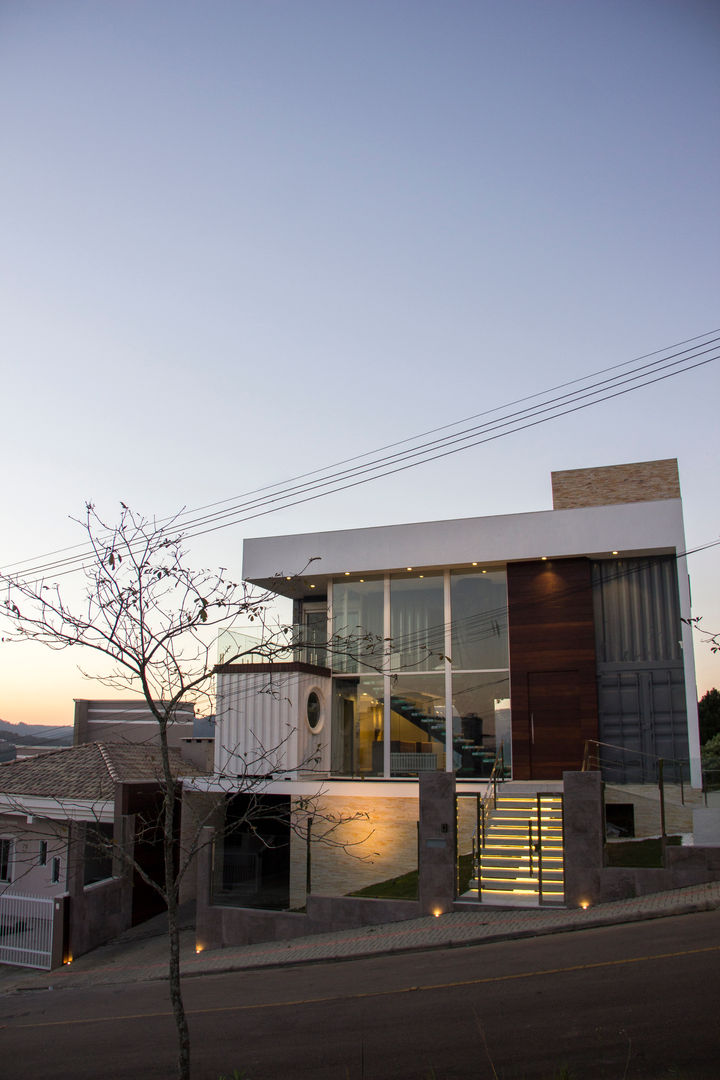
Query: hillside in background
x=36, y=734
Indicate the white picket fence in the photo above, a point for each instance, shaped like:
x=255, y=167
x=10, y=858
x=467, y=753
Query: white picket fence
x=26, y=930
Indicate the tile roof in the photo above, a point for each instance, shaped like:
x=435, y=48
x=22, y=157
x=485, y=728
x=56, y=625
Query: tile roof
x=88, y=771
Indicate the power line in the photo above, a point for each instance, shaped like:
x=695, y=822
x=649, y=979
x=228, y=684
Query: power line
x=701, y=350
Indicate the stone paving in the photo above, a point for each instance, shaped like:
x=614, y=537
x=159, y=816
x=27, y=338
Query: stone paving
x=139, y=957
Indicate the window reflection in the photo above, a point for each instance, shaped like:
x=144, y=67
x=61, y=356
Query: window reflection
x=357, y=726
x=481, y=722
x=417, y=624
x=479, y=621
x=417, y=724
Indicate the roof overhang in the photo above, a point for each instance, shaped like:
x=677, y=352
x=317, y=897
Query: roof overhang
x=292, y=565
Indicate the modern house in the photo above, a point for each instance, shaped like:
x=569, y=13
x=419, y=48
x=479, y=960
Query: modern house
x=509, y=645
x=128, y=721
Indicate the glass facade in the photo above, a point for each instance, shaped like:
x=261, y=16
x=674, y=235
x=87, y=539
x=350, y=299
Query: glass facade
x=417, y=624
x=357, y=628
x=479, y=621
x=417, y=723
x=408, y=651
x=357, y=726
x=481, y=721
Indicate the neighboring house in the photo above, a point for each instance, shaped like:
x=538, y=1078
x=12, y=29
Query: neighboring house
x=444, y=645
x=67, y=816
x=128, y=721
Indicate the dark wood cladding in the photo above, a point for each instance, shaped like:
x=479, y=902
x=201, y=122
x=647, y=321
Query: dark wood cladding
x=553, y=689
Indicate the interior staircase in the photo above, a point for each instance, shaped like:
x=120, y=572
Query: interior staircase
x=521, y=861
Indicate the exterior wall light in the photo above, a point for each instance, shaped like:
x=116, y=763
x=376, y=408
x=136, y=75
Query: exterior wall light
x=437, y=912
x=584, y=904
x=199, y=948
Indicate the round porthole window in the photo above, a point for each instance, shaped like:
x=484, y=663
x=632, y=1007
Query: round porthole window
x=314, y=711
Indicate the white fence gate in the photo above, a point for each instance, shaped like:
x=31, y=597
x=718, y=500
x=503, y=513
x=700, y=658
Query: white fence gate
x=26, y=930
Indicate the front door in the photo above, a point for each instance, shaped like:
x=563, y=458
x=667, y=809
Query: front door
x=554, y=734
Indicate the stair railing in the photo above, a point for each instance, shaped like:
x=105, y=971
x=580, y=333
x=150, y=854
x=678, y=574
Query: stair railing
x=497, y=774
x=538, y=849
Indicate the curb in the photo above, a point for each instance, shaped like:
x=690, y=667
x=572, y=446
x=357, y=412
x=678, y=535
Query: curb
x=84, y=980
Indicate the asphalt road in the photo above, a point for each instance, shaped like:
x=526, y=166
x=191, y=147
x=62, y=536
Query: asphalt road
x=625, y=1002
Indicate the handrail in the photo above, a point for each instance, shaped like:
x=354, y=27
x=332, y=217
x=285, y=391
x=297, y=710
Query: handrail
x=629, y=750
x=483, y=808
x=600, y=761
x=539, y=848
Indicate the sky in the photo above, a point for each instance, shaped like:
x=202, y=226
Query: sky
x=242, y=240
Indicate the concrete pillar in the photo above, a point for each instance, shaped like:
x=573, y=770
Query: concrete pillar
x=436, y=857
x=207, y=935
x=583, y=812
x=60, y=931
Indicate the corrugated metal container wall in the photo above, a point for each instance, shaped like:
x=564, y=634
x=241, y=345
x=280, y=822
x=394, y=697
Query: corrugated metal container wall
x=257, y=719
x=637, y=610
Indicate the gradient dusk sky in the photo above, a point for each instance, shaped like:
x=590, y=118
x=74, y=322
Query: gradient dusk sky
x=242, y=240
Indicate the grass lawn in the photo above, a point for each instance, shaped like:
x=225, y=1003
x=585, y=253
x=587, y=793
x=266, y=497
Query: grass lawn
x=405, y=887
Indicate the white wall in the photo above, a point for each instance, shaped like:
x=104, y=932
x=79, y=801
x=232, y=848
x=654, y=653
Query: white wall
x=261, y=724
x=27, y=873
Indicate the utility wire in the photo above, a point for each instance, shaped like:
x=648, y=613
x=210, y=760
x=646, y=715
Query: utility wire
x=195, y=523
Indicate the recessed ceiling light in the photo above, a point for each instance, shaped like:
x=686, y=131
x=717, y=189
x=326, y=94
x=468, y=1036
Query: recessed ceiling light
x=474, y=564
x=543, y=558
x=408, y=567
x=347, y=573
x=288, y=578
x=484, y=571
x=312, y=586
x=616, y=552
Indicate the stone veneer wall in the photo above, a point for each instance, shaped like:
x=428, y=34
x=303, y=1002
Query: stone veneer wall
x=381, y=841
x=589, y=881
x=642, y=481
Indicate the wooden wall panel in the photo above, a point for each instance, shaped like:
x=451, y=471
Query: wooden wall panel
x=552, y=666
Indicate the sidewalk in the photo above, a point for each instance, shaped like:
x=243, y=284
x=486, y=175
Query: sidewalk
x=141, y=954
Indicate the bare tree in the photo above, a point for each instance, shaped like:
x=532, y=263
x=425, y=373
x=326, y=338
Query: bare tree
x=154, y=621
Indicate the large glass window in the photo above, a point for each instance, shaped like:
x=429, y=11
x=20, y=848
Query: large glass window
x=481, y=722
x=357, y=642
x=479, y=621
x=357, y=726
x=417, y=624
x=417, y=723
x=397, y=690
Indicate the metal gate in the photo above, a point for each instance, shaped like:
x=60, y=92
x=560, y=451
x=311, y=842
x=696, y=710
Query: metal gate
x=26, y=930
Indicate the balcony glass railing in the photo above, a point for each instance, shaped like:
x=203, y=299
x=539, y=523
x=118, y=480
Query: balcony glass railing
x=280, y=645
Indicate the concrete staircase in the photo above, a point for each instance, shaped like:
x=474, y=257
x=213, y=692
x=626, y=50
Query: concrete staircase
x=521, y=862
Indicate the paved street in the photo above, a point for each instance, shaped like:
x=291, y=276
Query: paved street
x=627, y=1001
